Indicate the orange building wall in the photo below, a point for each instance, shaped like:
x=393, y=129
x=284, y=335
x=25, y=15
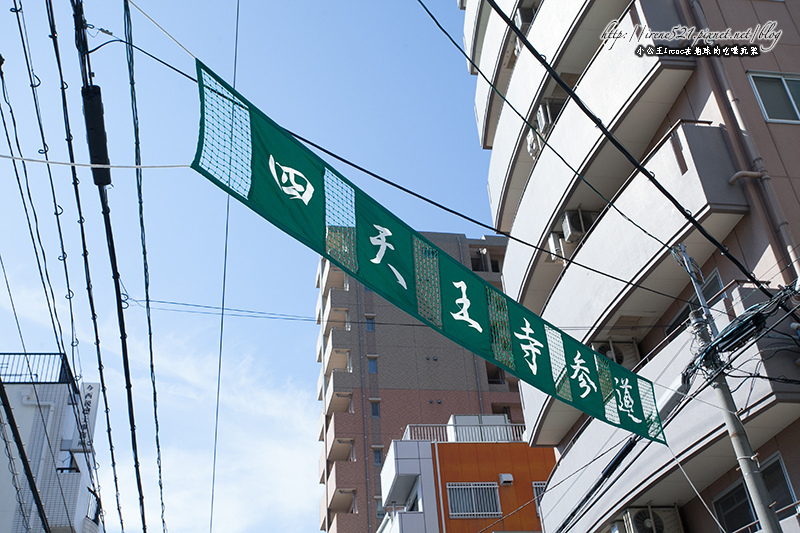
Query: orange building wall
x=480, y=461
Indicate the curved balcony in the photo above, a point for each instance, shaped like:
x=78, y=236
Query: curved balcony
x=632, y=96
x=496, y=61
x=691, y=163
x=567, y=33
x=476, y=19
x=649, y=474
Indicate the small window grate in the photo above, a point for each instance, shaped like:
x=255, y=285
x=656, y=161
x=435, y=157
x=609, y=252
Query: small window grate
x=474, y=500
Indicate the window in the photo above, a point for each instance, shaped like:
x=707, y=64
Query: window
x=375, y=409
x=370, y=323
x=733, y=507
x=473, y=500
x=377, y=457
x=372, y=365
x=495, y=374
x=711, y=287
x=778, y=95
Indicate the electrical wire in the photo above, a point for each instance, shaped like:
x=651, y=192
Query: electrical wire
x=91, y=165
x=686, y=401
x=162, y=29
x=78, y=406
x=40, y=255
x=80, y=40
x=618, y=145
x=146, y=269
x=12, y=468
x=438, y=205
x=34, y=84
x=224, y=286
x=535, y=130
x=694, y=488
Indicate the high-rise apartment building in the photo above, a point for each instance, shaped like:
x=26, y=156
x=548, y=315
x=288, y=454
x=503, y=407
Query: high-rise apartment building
x=718, y=124
x=55, y=421
x=382, y=370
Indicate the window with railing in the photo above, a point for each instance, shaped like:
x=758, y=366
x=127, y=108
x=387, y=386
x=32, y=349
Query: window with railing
x=734, y=509
x=474, y=500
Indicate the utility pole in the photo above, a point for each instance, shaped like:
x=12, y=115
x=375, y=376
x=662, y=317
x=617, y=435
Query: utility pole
x=101, y=173
x=703, y=327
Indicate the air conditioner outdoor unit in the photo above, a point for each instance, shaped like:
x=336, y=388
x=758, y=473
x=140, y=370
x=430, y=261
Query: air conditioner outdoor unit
x=547, y=112
x=554, y=245
x=575, y=224
x=652, y=520
x=543, y=118
x=623, y=353
x=534, y=144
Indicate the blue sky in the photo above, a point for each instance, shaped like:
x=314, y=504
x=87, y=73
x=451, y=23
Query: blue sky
x=375, y=82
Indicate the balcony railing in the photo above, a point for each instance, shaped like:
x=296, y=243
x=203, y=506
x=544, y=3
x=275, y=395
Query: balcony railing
x=465, y=433
x=33, y=368
x=752, y=527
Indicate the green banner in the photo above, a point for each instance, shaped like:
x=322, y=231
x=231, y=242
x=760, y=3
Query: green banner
x=249, y=156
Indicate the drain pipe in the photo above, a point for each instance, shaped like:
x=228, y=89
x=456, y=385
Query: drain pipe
x=783, y=227
x=363, y=405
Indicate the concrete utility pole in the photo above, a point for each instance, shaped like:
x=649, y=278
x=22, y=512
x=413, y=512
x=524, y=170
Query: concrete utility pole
x=703, y=327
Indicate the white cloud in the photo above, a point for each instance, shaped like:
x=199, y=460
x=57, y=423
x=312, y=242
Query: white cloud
x=266, y=474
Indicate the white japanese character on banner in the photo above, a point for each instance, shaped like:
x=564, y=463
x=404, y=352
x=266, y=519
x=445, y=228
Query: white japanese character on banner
x=625, y=401
x=464, y=303
x=581, y=372
x=531, y=349
x=296, y=190
x=380, y=241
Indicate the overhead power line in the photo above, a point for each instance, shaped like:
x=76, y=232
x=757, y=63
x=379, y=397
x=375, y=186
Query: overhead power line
x=98, y=153
x=624, y=151
x=139, y=186
x=416, y=195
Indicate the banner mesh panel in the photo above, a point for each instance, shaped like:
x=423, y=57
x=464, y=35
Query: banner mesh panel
x=226, y=153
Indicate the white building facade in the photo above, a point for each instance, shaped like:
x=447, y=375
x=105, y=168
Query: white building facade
x=56, y=422
x=720, y=133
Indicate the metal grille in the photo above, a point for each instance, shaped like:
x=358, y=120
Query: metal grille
x=607, y=388
x=558, y=362
x=32, y=368
x=426, y=270
x=473, y=500
x=340, y=221
x=226, y=154
x=501, y=330
x=538, y=492
x=465, y=433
